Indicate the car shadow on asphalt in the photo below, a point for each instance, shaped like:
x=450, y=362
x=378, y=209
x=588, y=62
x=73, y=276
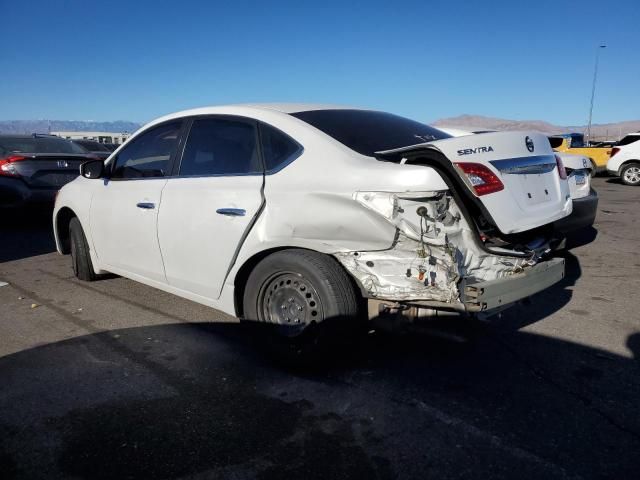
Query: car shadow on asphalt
x=227, y=400
x=26, y=233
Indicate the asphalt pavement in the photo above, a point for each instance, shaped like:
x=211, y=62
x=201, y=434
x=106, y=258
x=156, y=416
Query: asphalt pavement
x=113, y=379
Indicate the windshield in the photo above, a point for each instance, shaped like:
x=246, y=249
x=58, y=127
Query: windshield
x=92, y=146
x=9, y=145
x=367, y=132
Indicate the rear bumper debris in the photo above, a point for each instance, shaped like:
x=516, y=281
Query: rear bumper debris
x=483, y=296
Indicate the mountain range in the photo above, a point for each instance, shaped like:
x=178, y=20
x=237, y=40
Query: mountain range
x=46, y=126
x=613, y=131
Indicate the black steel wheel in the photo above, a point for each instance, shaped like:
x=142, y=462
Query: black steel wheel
x=296, y=289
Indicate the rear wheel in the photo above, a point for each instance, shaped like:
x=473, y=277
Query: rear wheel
x=630, y=174
x=297, y=290
x=80, y=258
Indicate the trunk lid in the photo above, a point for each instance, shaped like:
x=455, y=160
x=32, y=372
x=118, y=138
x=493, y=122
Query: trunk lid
x=49, y=170
x=533, y=195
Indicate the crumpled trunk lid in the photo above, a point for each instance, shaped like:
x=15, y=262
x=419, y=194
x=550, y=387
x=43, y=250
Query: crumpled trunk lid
x=533, y=195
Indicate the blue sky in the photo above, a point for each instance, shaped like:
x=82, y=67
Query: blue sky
x=136, y=60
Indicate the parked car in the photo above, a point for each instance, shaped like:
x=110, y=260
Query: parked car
x=625, y=159
x=578, y=170
x=97, y=148
x=297, y=214
x=574, y=143
x=34, y=167
x=111, y=146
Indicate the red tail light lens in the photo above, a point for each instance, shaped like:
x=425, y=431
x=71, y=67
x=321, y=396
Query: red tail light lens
x=6, y=166
x=614, y=150
x=482, y=180
x=561, y=170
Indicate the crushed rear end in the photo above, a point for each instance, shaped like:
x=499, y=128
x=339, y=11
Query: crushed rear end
x=479, y=246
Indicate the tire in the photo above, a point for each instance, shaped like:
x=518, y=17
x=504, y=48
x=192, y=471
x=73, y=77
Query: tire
x=630, y=174
x=298, y=290
x=80, y=258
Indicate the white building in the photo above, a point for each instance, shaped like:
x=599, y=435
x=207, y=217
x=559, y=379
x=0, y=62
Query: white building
x=102, y=137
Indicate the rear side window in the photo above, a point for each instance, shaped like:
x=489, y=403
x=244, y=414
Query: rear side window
x=221, y=146
x=628, y=139
x=278, y=148
x=555, y=141
x=149, y=154
x=367, y=131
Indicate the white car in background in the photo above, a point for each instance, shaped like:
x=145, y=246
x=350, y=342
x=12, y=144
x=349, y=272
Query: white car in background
x=298, y=214
x=579, y=172
x=624, y=161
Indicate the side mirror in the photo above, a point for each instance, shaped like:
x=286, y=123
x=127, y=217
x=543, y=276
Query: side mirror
x=92, y=169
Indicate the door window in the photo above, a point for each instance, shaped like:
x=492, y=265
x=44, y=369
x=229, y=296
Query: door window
x=148, y=155
x=221, y=146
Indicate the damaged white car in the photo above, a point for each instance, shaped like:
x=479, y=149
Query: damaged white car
x=296, y=214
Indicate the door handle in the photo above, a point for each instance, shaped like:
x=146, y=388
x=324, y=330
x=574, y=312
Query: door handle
x=146, y=205
x=232, y=212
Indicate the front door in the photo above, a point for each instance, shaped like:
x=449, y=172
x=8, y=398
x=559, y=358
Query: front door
x=124, y=209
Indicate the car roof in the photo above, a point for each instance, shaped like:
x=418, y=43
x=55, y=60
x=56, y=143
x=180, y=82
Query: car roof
x=248, y=109
x=296, y=107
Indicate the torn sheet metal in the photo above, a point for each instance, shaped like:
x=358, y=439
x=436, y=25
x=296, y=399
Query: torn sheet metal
x=434, y=250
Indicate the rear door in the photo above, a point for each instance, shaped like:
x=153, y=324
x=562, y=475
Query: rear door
x=124, y=209
x=209, y=205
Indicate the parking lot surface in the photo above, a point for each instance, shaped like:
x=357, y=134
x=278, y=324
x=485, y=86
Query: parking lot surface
x=114, y=379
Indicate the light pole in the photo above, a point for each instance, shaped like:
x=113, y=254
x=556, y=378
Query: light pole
x=593, y=90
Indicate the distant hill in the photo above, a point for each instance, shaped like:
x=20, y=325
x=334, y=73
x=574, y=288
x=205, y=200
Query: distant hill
x=45, y=126
x=478, y=122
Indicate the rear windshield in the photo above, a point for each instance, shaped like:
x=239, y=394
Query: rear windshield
x=92, y=146
x=9, y=145
x=628, y=139
x=368, y=132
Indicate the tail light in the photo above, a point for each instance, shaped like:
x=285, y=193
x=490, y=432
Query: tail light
x=480, y=178
x=561, y=170
x=7, y=168
x=614, y=150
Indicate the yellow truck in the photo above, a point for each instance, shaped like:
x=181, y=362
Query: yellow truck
x=574, y=143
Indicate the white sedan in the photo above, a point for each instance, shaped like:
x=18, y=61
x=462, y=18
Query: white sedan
x=296, y=214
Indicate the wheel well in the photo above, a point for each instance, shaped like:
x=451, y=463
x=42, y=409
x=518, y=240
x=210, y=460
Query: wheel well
x=627, y=162
x=63, y=218
x=242, y=276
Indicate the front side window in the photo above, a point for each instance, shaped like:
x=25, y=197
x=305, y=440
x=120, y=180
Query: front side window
x=367, y=131
x=149, y=155
x=221, y=146
x=577, y=141
x=278, y=148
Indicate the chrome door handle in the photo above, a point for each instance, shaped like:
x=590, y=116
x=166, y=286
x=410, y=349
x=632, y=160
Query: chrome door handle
x=146, y=205
x=232, y=212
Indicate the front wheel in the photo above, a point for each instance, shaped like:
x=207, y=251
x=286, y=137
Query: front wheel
x=80, y=258
x=630, y=174
x=298, y=290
